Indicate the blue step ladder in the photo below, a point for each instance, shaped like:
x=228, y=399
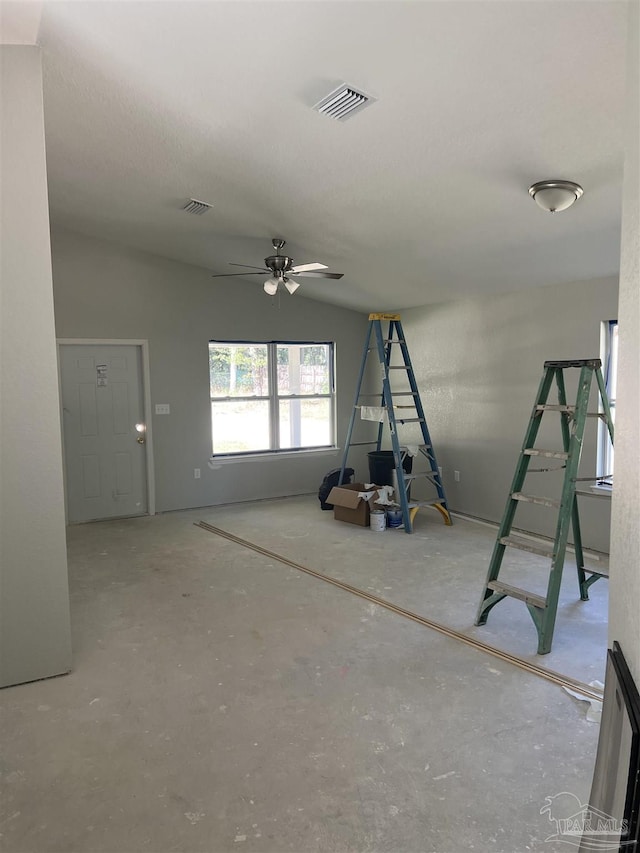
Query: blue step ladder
x=383, y=347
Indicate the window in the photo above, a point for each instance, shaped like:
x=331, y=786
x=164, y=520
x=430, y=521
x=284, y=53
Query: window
x=609, y=349
x=269, y=397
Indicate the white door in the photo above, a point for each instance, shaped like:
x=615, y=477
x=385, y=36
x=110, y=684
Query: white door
x=105, y=455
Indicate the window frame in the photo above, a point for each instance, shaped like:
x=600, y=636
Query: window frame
x=609, y=357
x=273, y=398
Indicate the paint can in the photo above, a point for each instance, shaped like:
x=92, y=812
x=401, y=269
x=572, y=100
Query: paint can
x=377, y=520
x=394, y=517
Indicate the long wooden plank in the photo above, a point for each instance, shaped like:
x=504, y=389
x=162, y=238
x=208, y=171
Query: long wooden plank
x=507, y=657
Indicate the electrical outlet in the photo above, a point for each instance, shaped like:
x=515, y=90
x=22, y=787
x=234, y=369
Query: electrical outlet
x=196, y=473
x=456, y=476
x=163, y=409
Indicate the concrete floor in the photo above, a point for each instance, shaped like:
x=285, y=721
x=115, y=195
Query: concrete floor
x=221, y=701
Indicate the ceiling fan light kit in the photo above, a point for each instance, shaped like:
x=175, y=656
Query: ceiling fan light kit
x=555, y=195
x=281, y=268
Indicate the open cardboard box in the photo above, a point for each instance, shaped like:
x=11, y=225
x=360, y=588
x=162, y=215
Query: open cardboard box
x=348, y=506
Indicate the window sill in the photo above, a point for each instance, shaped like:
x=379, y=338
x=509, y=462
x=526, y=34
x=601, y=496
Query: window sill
x=218, y=461
x=602, y=487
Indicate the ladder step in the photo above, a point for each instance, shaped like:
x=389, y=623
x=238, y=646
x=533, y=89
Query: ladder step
x=550, y=454
x=408, y=477
x=516, y=592
x=535, y=499
x=394, y=341
x=410, y=420
x=394, y=394
x=575, y=362
x=555, y=407
x=540, y=548
x=398, y=367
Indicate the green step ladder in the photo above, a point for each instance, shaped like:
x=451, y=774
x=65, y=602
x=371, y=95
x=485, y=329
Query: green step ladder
x=383, y=347
x=573, y=418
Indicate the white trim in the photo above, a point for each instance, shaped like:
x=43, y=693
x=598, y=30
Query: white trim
x=271, y=455
x=602, y=487
x=146, y=397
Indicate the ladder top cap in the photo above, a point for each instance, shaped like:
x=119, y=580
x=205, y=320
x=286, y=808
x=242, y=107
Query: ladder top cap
x=580, y=362
x=384, y=316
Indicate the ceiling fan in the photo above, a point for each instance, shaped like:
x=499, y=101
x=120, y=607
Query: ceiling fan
x=281, y=268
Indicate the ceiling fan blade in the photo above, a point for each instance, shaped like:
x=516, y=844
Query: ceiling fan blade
x=230, y=274
x=249, y=266
x=317, y=274
x=307, y=267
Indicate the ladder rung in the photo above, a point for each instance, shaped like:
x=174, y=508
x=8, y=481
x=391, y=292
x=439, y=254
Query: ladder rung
x=410, y=420
x=535, y=499
x=551, y=454
x=393, y=394
x=394, y=341
x=398, y=367
x=424, y=474
x=543, y=550
x=555, y=407
x=516, y=592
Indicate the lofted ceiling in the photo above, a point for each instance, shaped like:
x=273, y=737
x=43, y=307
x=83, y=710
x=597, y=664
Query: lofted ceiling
x=421, y=197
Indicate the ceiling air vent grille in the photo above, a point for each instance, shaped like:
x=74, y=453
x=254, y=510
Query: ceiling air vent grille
x=342, y=102
x=197, y=207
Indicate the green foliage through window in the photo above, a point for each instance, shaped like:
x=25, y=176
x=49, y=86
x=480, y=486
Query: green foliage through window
x=249, y=415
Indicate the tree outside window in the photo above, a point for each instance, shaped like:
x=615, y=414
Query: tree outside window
x=271, y=396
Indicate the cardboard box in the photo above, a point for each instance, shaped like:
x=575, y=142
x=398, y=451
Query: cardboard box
x=347, y=506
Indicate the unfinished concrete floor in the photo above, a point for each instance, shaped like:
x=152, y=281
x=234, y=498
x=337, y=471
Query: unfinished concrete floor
x=221, y=701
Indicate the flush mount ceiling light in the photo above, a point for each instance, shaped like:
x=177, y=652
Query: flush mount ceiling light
x=553, y=196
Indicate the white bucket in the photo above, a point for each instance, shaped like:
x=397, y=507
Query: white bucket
x=377, y=520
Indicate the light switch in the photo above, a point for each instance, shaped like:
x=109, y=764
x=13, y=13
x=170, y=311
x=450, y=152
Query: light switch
x=163, y=409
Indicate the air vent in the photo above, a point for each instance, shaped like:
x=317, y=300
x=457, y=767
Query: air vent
x=197, y=207
x=343, y=102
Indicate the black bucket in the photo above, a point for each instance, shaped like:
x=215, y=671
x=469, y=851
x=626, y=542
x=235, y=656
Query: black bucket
x=382, y=467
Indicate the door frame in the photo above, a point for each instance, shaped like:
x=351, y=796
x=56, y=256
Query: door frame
x=143, y=345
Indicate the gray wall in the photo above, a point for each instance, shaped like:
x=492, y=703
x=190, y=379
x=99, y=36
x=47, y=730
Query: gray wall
x=102, y=290
x=624, y=601
x=34, y=596
x=478, y=364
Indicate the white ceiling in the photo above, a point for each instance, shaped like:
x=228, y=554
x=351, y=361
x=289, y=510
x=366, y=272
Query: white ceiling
x=422, y=197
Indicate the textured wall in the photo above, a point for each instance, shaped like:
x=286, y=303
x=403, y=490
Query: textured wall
x=34, y=600
x=624, y=602
x=102, y=290
x=479, y=363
